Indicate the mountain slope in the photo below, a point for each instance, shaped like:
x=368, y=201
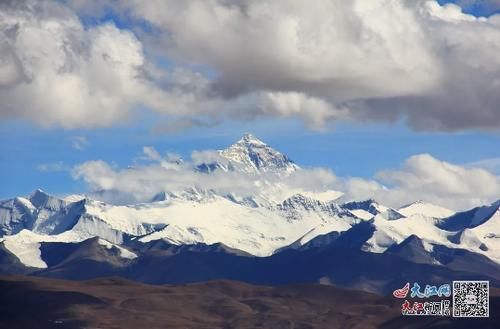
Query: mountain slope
x=426, y=209
x=40, y=213
x=471, y=218
x=211, y=218
x=256, y=229
x=165, y=264
x=370, y=208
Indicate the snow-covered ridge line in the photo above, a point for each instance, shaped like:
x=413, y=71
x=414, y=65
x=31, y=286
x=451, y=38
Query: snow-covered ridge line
x=258, y=230
x=425, y=208
x=259, y=224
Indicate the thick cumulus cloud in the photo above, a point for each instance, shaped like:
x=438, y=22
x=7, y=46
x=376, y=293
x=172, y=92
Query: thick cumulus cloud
x=432, y=65
x=427, y=178
x=330, y=60
x=55, y=71
x=334, y=49
x=421, y=177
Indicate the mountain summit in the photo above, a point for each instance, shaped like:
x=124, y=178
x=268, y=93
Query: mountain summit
x=249, y=139
x=252, y=155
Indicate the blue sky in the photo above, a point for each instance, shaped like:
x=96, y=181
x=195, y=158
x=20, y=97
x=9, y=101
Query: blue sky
x=432, y=94
x=477, y=8
x=347, y=149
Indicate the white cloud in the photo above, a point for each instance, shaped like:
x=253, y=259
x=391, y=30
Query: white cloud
x=427, y=178
x=78, y=142
x=421, y=177
x=207, y=156
x=56, y=72
x=52, y=167
x=449, y=12
x=292, y=45
x=170, y=161
x=491, y=164
x=98, y=174
x=380, y=60
x=376, y=60
x=151, y=153
x=315, y=112
x=66, y=75
x=141, y=183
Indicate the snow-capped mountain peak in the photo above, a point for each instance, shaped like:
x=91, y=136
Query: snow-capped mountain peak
x=199, y=216
x=251, y=155
x=249, y=139
x=364, y=209
x=483, y=214
x=421, y=207
x=39, y=198
x=74, y=198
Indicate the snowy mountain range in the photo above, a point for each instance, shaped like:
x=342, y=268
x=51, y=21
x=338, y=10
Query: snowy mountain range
x=39, y=229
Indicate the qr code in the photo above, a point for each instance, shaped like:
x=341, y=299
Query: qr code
x=471, y=299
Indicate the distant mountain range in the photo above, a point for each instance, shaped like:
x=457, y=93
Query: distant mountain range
x=199, y=234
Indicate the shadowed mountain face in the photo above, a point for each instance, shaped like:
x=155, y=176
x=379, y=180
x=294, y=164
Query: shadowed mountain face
x=117, y=303
x=331, y=259
x=162, y=263
x=413, y=250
